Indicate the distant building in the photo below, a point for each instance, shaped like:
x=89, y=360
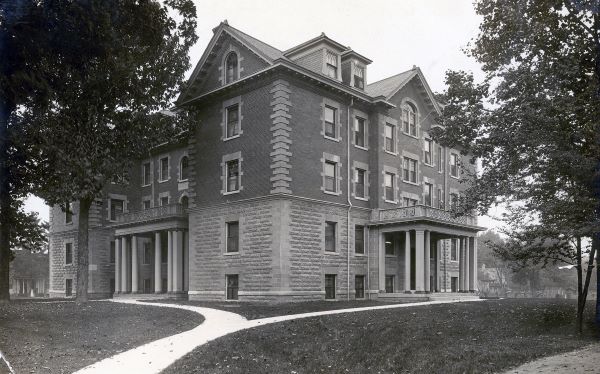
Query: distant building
x=301, y=180
x=29, y=274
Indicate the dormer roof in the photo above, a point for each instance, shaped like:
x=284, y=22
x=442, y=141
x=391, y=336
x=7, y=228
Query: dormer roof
x=349, y=53
x=321, y=39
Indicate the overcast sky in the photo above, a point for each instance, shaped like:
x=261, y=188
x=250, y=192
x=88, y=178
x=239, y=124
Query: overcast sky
x=395, y=34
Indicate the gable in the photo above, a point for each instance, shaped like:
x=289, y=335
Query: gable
x=414, y=93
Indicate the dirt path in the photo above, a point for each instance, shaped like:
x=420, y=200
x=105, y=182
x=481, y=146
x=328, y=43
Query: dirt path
x=586, y=360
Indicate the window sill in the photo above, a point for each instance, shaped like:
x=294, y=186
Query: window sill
x=146, y=185
x=68, y=223
x=360, y=254
x=336, y=253
x=390, y=256
x=183, y=180
x=231, y=192
x=332, y=193
x=453, y=177
x=361, y=198
x=390, y=202
x=231, y=253
x=232, y=137
x=332, y=139
x=163, y=181
x=359, y=147
x=410, y=135
x=390, y=153
x=430, y=165
x=409, y=182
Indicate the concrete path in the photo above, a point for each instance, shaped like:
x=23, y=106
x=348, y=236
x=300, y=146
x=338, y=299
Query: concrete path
x=585, y=360
x=156, y=356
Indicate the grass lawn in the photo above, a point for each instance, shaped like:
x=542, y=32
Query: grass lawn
x=485, y=336
x=61, y=337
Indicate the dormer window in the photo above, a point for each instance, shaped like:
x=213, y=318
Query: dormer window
x=231, y=68
x=359, y=77
x=331, y=65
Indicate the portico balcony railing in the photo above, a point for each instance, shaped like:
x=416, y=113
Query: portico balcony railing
x=152, y=214
x=421, y=212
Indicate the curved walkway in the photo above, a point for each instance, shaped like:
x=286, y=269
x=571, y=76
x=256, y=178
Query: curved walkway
x=585, y=360
x=159, y=354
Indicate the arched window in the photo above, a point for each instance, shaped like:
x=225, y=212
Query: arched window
x=184, y=201
x=409, y=119
x=231, y=68
x=183, y=168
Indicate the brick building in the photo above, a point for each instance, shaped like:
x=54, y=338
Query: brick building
x=300, y=181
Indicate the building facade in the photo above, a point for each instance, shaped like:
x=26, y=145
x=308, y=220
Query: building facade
x=299, y=181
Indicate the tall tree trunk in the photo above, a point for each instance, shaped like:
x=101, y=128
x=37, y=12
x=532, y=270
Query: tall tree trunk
x=580, y=304
x=5, y=200
x=83, y=250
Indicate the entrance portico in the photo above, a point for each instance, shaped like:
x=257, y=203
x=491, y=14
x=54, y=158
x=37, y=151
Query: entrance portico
x=414, y=245
x=151, y=251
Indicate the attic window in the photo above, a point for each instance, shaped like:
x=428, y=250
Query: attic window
x=359, y=77
x=231, y=68
x=331, y=65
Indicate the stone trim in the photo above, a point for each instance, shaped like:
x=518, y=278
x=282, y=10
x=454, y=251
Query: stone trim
x=418, y=166
x=337, y=106
x=281, y=138
x=338, y=238
x=223, y=70
x=383, y=120
x=404, y=102
x=226, y=104
x=357, y=113
x=394, y=171
x=159, y=158
x=338, y=170
x=409, y=195
x=223, y=247
x=224, y=160
x=365, y=167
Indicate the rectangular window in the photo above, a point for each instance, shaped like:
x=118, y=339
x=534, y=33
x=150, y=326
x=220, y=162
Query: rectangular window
x=69, y=213
x=330, y=122
x=390, y=138
x=359, y=77
x=164, y=169
x=428, y=150
x=148, y=254
x=164, y=200
x=331, y=65
x=428, y=194
x=233, y=121
x=146, y=174
x=389, y=244
x=330, y=286
x=440, y=159
x=440, y=198
x=454, y=284
x=359, y=287
x=359, y=239
x=453, y=250
x=330, y=176
x=389, y=284
x=389, y=186
x=112, y=254
x=232, y=281
x=453, y=201
x=360, y=132
x=68, y=253
x=412, y=119
x=116, y=207
x=330, y=235
x=454, y=165
x=146, y=204
x=68, y=287
x=233, y=239
x=361, y=176
x=407, y=201
x=233, y=175
x=410, y=170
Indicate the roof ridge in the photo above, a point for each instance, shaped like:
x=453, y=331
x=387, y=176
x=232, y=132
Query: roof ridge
x=393, y=76
x=252, y=38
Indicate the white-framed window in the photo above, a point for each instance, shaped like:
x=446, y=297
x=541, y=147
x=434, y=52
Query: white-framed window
x=331, y=64
x=184, y=169
x=146, y=174
x=360, y=190
x=163, y=200
x=440, y=159
x=428, y=152
x=68, y=253
x=407, y=201
x=232, y=286
x=330, y=286
x=231, y=68
x=331, y=174
x=359, y=77
x=390, y=138
x=454, y=165
x=360, y=132
x=389, y=180
x=330, y=236
x=330, y=122
x=440, y=198
x=163, y=171
x=233, y=176
x=232, y=234
x=330, y=171
x=117, y=206
x=232, y=121
x=359, y=239
x=410, y=170
x=146, y=204
x=359, y=286
x=409, y=119
x=428, y=193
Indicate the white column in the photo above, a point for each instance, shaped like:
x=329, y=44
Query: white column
x=461, y=265
x=177, y=261
x=468, y=269
x=419, y=263
x=134, y=265
x=407, y=262
x=117, y=265
x=124, y=264
x=473, y=278
x=157, y=263
x=427, y=252
x=186, y=260
x=438, y=253
x=381, y=262
x=169, y=261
